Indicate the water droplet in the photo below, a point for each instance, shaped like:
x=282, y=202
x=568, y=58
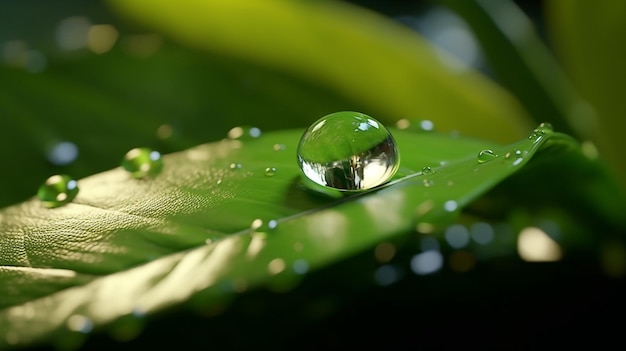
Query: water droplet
x=57, y=190
x=235, y=166
x=270, y=171
x=513, y=154
x=348, y=151
x=427, y=170
x=63, y=153
x=486, y=156
x=546, y=127
x=243, y=133
x=279, y=147
x=142, y=162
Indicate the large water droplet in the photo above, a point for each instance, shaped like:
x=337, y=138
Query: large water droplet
x=242, y=133
x=348, y=151
x=142, y=162
x=57, y=190
x=486, y=156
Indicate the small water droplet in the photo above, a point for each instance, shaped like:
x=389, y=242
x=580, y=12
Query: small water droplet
x=486, y=156
x=270, y=171
x=513, y=154
x=235, y=166
x=348, y=151
x=279, y=147
x=546, y=127
x=57, y=190
x=427, y=170
x=219, y=181
x=243, y=133
x=142, y=162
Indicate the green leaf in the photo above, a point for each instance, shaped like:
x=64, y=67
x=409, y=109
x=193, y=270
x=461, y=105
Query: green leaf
x=522, y=62
x=584, y=35
x=129, y=247
x=387, y=68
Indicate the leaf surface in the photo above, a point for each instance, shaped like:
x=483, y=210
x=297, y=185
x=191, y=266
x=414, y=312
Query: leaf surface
x=128, y=247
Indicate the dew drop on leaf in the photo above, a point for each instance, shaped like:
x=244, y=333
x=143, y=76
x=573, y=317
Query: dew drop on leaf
x=486, y=156
x=513, y=154
x=546, y=127
x=270, y=171
x=142, y=162
x=348, y=151
x=57, y=190
x=427, y=170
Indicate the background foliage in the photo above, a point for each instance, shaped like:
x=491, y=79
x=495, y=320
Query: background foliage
x=180, y=75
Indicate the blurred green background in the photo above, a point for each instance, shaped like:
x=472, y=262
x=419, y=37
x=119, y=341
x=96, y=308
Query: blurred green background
x=82, y=82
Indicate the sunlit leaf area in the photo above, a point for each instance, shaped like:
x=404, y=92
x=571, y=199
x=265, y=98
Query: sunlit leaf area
x=300, y=174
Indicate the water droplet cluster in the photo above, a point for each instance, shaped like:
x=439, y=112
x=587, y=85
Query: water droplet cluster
x=348, y=151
